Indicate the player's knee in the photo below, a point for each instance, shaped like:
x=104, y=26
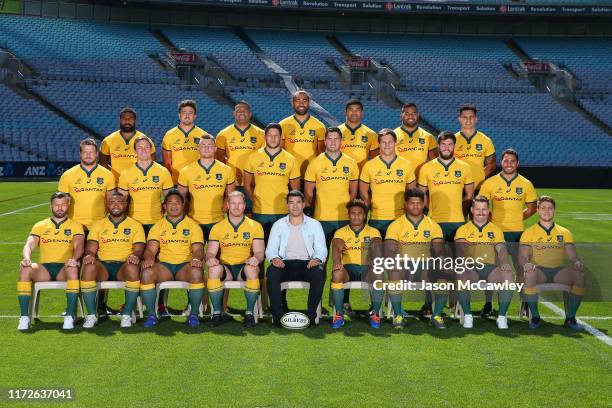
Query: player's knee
x=215, y=272
x=195, y=275
x=25, y=273
x=530, y=276
x=251, y=272
x=147, y=276
x=72, y=273
x=89, y=273
x=338, y=276
x=131, y=272
x=507, y=276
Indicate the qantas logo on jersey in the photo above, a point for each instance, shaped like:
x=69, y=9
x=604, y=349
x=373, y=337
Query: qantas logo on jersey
x=443, y=182
x=144, y=188
x=87, y=189
x=123, y=156
x=330, y=178
x=114, y=240
x=55, y=241
x=261, y=173
x=179, y=148
x=392, y=181
x=202, y=186
x=233, y=148
x=402, y=149
x=298, y=140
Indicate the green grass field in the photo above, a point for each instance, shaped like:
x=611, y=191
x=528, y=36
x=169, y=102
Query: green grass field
x=355, y=366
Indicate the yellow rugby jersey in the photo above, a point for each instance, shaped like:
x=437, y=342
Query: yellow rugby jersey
x=184, y=147
x=146, y=187
x=547, y=245
x=474, y=150
x=175, y=239
x=301, y=138
x=414, y=146
x=508, y=199
x=484, y=239
x=121, y=151
x=88, y=192
x=332, y=179
x=355, y=241
x=55, y=239
x=236, y=241
x=116, y=240
x=414, y=238
x=359, y=142
x=207, y=188
x=387, y=182
x=445, y=185
x=238, y=146
x=272, y=175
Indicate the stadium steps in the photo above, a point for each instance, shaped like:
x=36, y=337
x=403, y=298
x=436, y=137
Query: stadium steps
x=591, y=117
x=517, y=49
x=337, y=44
x=161, y=37
x=53, y=108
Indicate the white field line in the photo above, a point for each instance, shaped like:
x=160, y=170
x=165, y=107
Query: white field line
x=23, y=209
x=590, y=329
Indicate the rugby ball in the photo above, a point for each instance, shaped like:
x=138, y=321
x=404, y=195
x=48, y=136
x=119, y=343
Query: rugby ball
x=295, y=321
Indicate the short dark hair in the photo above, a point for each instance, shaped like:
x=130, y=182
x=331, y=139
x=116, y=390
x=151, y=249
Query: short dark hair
x=116, y=193
x=273, y=125
x=353, y=102
x=333, y=129
x=357, y=202
x=468, y=107
x=127, y=109
x=410, y=105
x=88, y=142
x=387, y=131
x=142, y=137
x=480, y=199
x=187, y=103
x=414, y=192
x=298, y=92
x=549, y=199
x=59, y=195
x=174, y=192
x=445, y=135
x=295, y=193
x=511, y=152
x=245, y=103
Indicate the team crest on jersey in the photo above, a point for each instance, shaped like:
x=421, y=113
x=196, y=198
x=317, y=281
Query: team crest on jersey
x=478, y=147
x=155, y=179
x=68, y=232
x=364, y=139
x=559, y=238
x=253, y=139
x=399, y=172
x=219, y=176
x=127, y=231
x=421, y=140
x=186, y=232
x=246, y=236
x=311, y=132
x=100, y=180
x=366, y=240
x=490, y=234
x=457, y=173
x=282, y=165
x=196, y=140
x=345, y=169
x=426, y=233
x=519, y=190
x=78, y=181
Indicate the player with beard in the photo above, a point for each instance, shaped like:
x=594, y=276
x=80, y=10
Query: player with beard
x=117, y=152
x=60, y=240
x=358, y=141
x=114, y=248
x=513, y=200
x=88, y=184
x=303, y=135
x=450, y=185
x=180, y=144
x=413, y=142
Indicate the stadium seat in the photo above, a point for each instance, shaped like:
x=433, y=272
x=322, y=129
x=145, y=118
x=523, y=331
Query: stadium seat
x=174, y=285
x=302, y=285
x=119, y=285
x=547, y=287
x=38, y=286
x=258, y=312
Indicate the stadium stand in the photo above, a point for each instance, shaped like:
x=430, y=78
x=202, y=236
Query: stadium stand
x=32, y=128
x=601, y=107
x=223, y=45
x=155, y=105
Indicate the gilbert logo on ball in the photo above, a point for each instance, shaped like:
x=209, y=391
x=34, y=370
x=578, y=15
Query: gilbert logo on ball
x=295, y=321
